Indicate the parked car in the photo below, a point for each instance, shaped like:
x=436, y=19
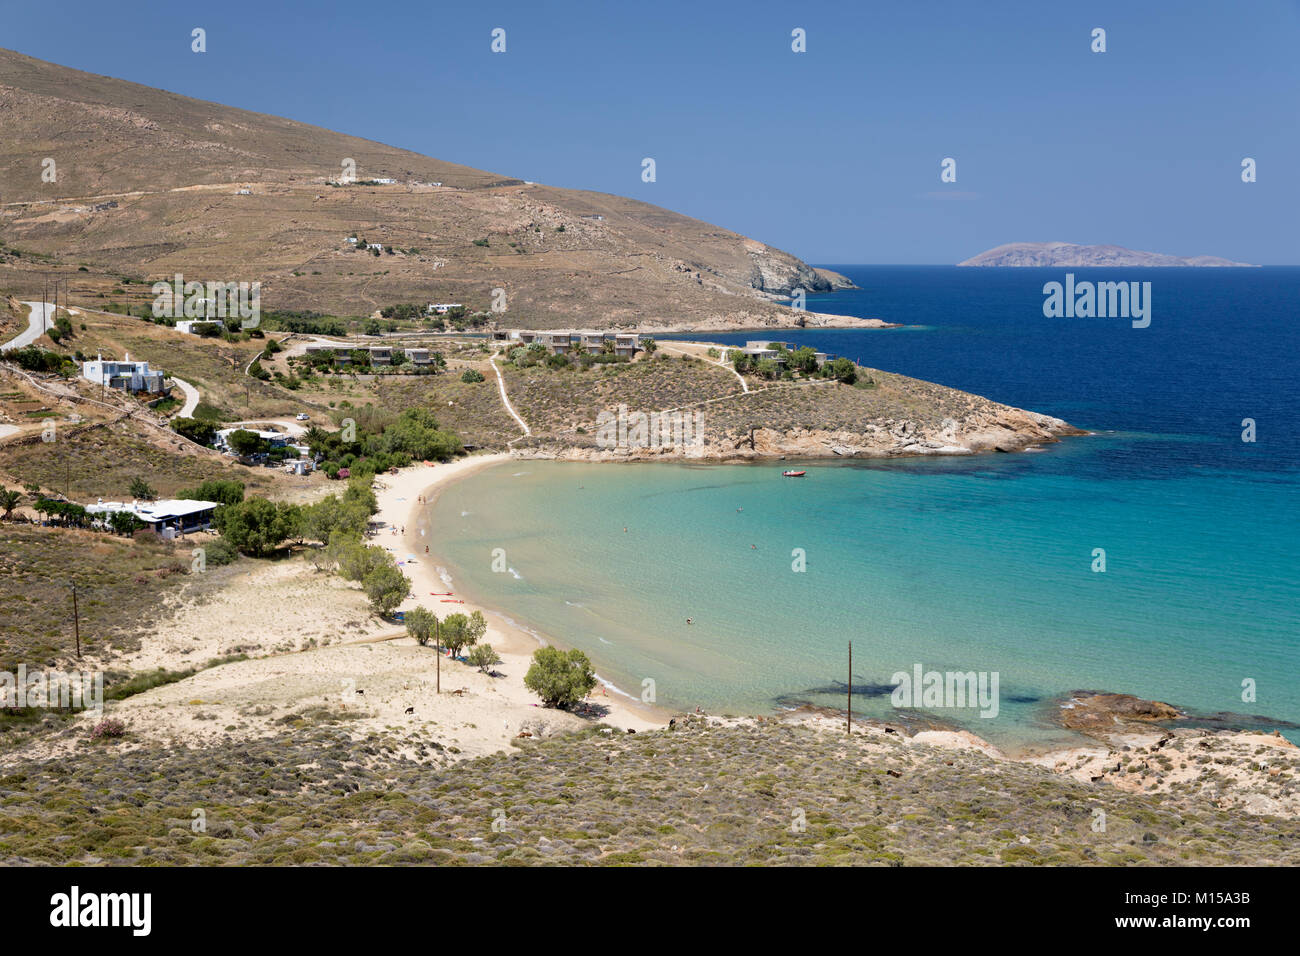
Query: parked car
x=303, y=417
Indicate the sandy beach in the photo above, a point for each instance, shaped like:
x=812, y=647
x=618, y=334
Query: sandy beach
x=400, y=508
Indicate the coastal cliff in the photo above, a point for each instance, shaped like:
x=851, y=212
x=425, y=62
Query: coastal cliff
x=882, y=415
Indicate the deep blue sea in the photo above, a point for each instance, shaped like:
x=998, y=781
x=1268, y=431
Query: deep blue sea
x=981, y=564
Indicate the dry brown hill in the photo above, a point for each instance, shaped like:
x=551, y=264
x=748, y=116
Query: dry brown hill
x=148, y=186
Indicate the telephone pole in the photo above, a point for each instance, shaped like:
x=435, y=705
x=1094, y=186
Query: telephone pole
x=850, y=688
x=76, y=620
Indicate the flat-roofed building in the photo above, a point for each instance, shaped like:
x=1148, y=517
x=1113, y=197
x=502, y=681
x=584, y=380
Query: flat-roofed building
x=125, y=375
x=169, y=517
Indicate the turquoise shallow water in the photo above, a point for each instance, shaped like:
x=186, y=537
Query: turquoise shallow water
x=970, y=564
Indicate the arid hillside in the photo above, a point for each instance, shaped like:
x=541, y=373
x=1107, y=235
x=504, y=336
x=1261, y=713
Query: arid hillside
x=147, y=184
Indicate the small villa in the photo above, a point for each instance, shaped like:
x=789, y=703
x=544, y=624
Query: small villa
x=763, y=349
x=125, y=375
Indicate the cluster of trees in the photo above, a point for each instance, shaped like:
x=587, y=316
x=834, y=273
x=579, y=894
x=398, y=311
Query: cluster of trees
x=36, y=359
x=526, y=356
x=375, y=447
x=403, y=311
x=313, y=323
x=339, y=523
x=69, y=514
x=454, y=632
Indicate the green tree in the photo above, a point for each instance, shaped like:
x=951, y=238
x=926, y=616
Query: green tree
x=471, y=376
x=483, y=656
x=142, y=489
x=357, y=560
x=804, y=360
x=843, y=370
x=650, y=346
x=200, y=432
x=387, y=587
x=245, y=443
x=459, y=631
x=9, y=501
x=124, y=523
x=560, y=678
x=421, y=624
x=255, y=526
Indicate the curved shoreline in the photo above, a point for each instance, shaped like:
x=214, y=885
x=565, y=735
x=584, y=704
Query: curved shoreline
x=400, y=508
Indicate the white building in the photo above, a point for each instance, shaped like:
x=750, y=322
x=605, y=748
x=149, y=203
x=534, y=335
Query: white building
x=274, y=439
x=187, y=325
x=125, y=375
x=168, y=517
x=442, y=308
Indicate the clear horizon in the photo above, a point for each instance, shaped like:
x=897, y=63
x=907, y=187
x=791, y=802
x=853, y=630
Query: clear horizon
x=832, y=154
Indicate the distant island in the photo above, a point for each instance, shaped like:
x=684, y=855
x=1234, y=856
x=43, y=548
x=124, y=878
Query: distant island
x=1071, y=254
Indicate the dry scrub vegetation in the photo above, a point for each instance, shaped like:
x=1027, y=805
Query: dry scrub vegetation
x=723, y=794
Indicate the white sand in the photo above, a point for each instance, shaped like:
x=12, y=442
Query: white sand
x=400, y=507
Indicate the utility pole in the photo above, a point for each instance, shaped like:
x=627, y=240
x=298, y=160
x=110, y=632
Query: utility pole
x=850, y=688
x=437, y=630
x=76, y=620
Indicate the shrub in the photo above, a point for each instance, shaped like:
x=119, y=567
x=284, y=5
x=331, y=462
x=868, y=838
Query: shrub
x=108, y=727
x=220, y=552
x=483, y=656
x=471, y=376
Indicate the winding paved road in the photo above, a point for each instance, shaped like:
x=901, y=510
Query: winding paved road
x=191, y=397
x=37, y=323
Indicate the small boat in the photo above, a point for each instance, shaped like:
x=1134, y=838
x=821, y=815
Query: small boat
x=449, y=601
x=793, y=474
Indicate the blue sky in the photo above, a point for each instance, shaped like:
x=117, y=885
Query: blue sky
x=833, y=154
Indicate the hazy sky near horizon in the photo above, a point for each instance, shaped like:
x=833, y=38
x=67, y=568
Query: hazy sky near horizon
x=832, y=154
